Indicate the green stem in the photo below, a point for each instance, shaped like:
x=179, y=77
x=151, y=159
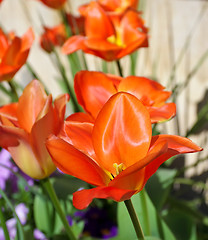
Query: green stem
x=50, y=190
x=134, y=219
x=13, y=90
x=3, y=223
x=35, y=76
x=119, y=68
x=4, y=90
x=76, y=106
x=20, y=232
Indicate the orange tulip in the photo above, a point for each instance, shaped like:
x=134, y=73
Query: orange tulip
x=93, y=89
x=24, y=127
x=118, y=5
x=13, y=53
x=109, y=37
x=52, y=37
x=114, y=6
x=56, y=4
x=117, y=154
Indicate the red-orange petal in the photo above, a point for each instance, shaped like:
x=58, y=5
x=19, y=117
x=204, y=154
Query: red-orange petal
x=73, y=162
x=82, y=198
x=122, y=131
x=93, y=89
x=176, y=145
x=11, y=52
x=163, y=113
x=133, y=177
x=9, y=111
x=73, y=44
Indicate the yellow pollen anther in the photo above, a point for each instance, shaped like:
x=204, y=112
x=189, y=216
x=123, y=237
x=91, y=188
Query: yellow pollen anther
x=118, y=168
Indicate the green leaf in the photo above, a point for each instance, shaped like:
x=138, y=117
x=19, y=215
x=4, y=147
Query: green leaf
x=181, y=224
x=151, y=223
x=159, y=186
x=46, y=219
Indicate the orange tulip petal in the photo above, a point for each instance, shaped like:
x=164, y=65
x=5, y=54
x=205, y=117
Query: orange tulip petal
x=10, y=112
x=16, y=141
x=12, y=52
x=4, y=43
x=163, y=113
x=132, y=27
x=80, y=135
x=141, y=42
x=82, y=198
x=97, y=23
x=27, y=40
x=176, y=145
x=10, y=135
x=80, y=117
x=93, y=89
x=25, y=159
x=73, y=44
x=101, y=45
x=56, y=4
x=59, y=108
x=30, y=104
x=122, y=132
x=41, y=129
x=74, y=162
x=140, y=87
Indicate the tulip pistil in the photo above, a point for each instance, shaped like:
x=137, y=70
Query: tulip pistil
x=118, y=167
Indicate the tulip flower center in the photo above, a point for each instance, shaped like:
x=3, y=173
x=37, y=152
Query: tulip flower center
x=116, y=39
x=119, y=168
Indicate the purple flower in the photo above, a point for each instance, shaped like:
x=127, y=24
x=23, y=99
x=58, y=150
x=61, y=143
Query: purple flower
x=5, y=166
x=38, y=235
x=97, y=223
x=70, y=220
x=21, y=211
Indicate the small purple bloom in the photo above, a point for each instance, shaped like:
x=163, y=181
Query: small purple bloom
x=5, y=166
x=97, y=223
x=70, y=220
x=39, y=235
x=21, y=211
